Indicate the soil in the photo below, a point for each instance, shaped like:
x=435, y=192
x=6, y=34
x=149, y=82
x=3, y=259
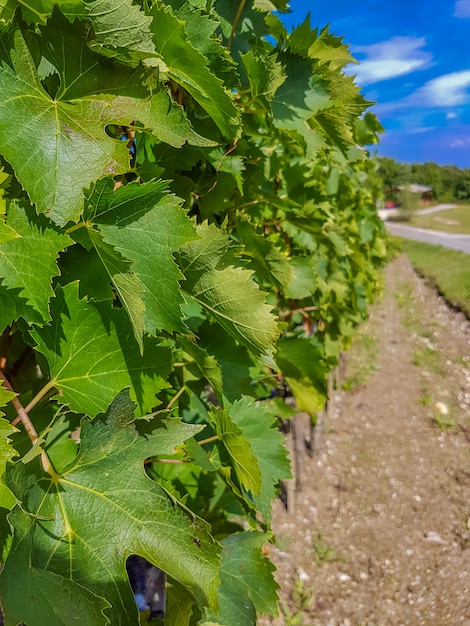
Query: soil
x=380, y=533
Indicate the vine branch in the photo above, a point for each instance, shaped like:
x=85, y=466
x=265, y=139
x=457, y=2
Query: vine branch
x=28, y=425
x=238, y=15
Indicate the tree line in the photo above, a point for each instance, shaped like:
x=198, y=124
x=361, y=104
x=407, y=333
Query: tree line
x=448, y=182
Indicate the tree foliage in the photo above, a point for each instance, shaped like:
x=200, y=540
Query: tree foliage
x=448, y=182
x=187, y=225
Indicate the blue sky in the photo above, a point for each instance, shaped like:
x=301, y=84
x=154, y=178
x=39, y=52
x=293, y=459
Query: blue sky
x=415, y=63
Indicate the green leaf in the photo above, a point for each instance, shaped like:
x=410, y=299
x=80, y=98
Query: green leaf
x=7, y=11
x=84, y=523
x=179, y=606
x=140, y=227
x=86, y=267
x=121, y=29
x=265, y=75
x=228, y=294
x=92, y=355
x=78, y=150
x=247, y=585
x=301, y=363
x=46, y=597
x=261, y=430
x=265, y=258
x=188, y=68
x=28, y=262
x=244, y=462
x=234, y=360
x=298, y=99
x=304, y=282
x=204, y=364
x=7, y=452
x=325, y=47
x=38, y=11
x=128, y=286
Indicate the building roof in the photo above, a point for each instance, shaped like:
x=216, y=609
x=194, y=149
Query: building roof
x=415, y=188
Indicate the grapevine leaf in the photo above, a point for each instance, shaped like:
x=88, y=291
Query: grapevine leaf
x=188, y=68
x=267, y=260
x=301, y=362
x=200, y=31
x=258, y=426
x=121, y=29
x=244, y=462
x=92, y=355
x=271, y=5
x=28, y=261
x=40, y=10
x=46, y=597
x=303, y=283
x=86, y=266
x=229, y=294
x=7, y=452
x=5, y=397
x=265, y=75
x=179, y=606
x=128, y=286
x=234, y=360
x=106, y=490
x=298, y=99
x=205, y=365
x=325, y=47
x=247, y=585
x=64, y=146
x=7, y=11
x=145, y=225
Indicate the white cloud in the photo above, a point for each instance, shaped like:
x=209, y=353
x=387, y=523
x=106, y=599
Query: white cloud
x=447, y=90
x=462, y=8
x=460, y=143
x=388, y=59
x=451, y=115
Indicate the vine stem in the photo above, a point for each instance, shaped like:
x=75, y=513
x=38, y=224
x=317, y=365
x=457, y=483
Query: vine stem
x=75, y=227
x=303, y=311
x=40, y=394
x=238, y=15
x=209, y=440
x=28, y=425
x=175, y=397
x=174, y=461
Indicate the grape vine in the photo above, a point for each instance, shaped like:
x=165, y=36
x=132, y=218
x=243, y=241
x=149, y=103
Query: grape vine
x=187, y=226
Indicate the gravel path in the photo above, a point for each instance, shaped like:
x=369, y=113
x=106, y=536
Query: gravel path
x=381, y=535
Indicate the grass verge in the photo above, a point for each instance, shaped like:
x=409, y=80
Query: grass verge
x=450, y=221
x=448, y=270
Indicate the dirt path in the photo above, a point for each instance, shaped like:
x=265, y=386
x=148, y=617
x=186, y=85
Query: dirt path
x=381, y=534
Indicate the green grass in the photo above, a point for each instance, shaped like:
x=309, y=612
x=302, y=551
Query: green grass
x=450, y=221
x=429, y=359
x=448, y=269
x=362, y=359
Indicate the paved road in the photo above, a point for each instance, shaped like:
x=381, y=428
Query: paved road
x=436, y=237
x=435, y=209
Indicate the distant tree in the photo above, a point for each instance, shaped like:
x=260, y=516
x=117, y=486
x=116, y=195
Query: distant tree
x=430, y=174
x=449, y=182
x=393, y=175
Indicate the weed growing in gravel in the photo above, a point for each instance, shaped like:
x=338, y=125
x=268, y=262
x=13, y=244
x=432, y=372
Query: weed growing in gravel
x=302, y=597
x=362, y=360
x=443, y=417
x=430, y=360
x=322, y=552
